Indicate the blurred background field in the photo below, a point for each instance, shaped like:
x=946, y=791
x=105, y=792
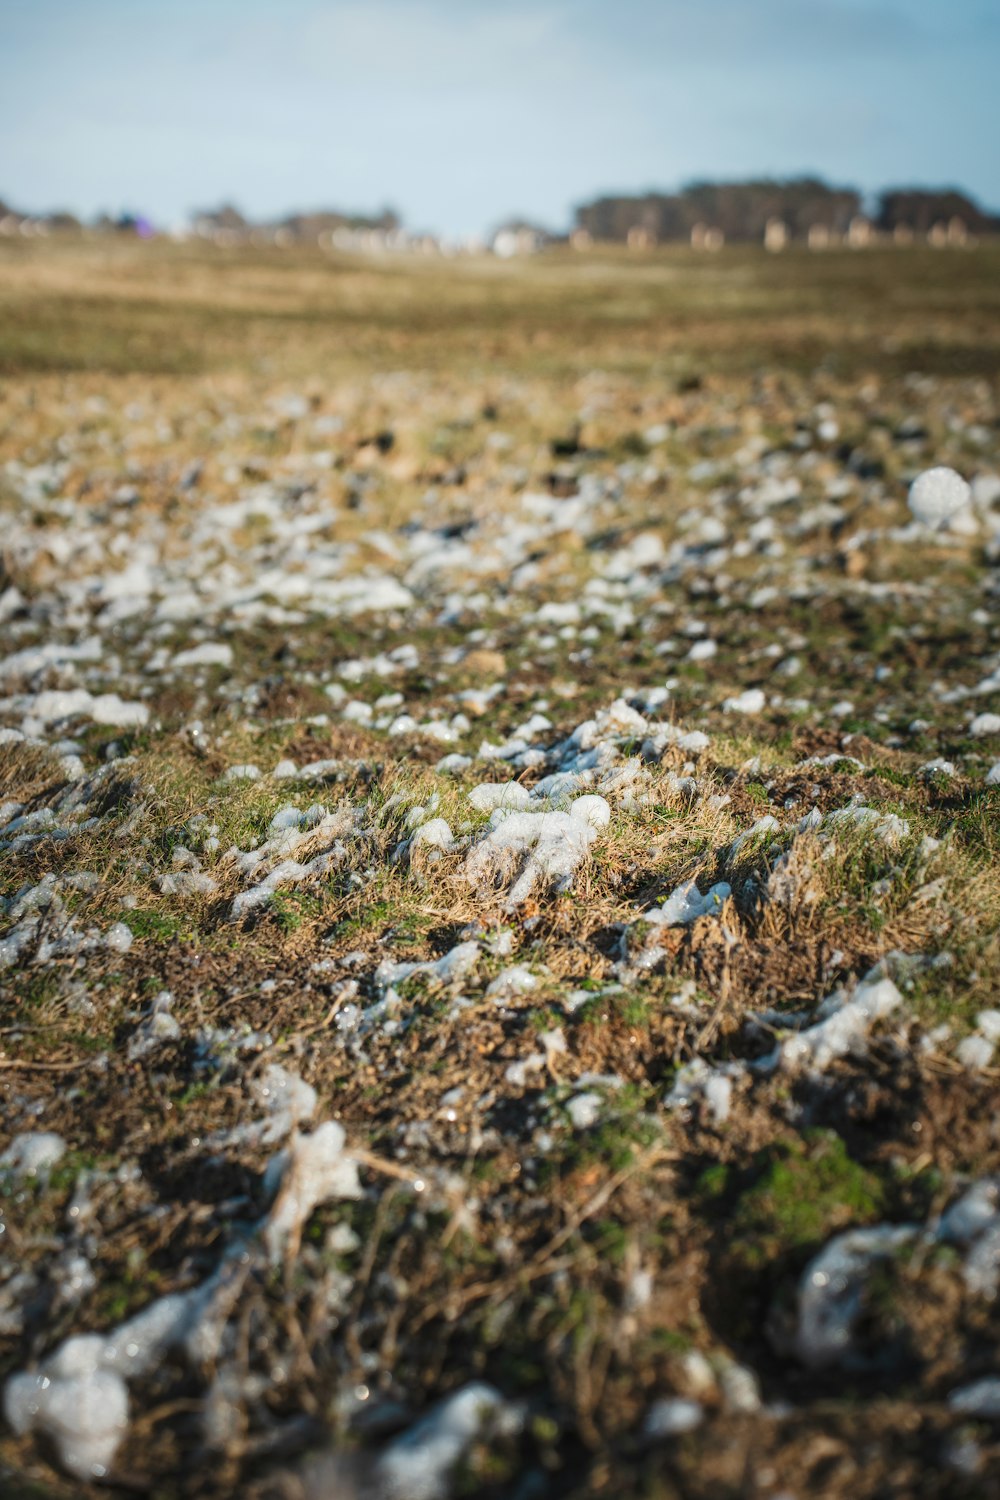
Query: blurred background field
x=115, y=306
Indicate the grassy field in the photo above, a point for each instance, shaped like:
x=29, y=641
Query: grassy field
x=119, y=307
x=395, y=657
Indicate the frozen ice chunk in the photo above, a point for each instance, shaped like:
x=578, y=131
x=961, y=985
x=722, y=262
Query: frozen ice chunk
x=134, y=1347
x=703, y=650
x=491, y=794
x=592, y=810
x=843, y=1028
x=451, y=765
x=108, y=708
x=740, y=1386
x=718, y=1093
x=419, y=1464
x=751, y=701
x=515, y=980
x=686, y=904
x=285, y=1094
x=937, y=496
x=157, y=1027
x=118, y=937
x=53, y=705
x=448, y=969
x=79, y=1398
x=831, y=1292
x=434, y=834
x=767, y=824
x=982, y=1266
x=527, y=849
x=714, y=1085
x=186, y=883
x=888, y=827
x=980, y=1399
x=671, y=1416
x=974, y=1222
x=33, y=1153
x=208, y=654
x=975, y=1053
x=242, y=773
x=287, y=1101
x=313, y=1170
x=584, y=1110
x=977, y=1210
x=85, y=1415
x=288, y=872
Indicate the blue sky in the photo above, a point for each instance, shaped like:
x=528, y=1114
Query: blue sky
x=459, y=112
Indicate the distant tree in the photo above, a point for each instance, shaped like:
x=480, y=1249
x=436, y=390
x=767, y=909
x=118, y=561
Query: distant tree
x=740, y=209
x=920, y=209
x=310, y=225
x=224, y=217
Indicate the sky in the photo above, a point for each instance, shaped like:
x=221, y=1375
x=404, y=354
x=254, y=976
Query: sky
x=459, y=113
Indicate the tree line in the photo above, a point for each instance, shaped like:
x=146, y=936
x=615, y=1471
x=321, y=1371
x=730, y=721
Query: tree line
x=742, y=210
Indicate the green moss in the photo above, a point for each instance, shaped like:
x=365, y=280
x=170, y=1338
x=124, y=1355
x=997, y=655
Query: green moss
x=614, y=1141
x=158, y=926
x=64, y=1174
x=807, y=1191
x=714, y=1181
x=626, y=1007
x=291, y=911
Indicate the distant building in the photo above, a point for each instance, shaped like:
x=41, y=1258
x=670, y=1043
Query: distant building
x=707, y=237
x=775, y=235
x=224, y=226
x=820, y=237
x=519, y=237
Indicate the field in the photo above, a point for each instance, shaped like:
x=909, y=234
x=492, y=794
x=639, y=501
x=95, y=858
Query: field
x=500, y=875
